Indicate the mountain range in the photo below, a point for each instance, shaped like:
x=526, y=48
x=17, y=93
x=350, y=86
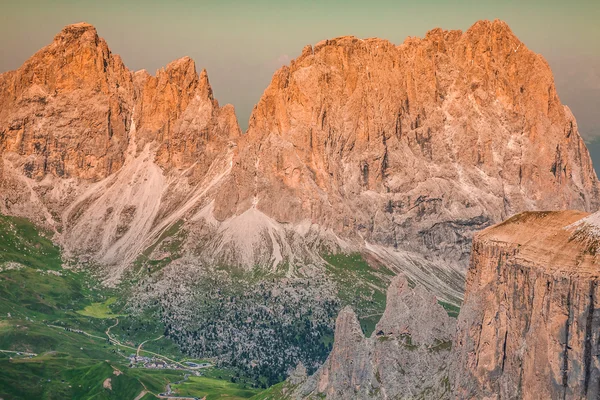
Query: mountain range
x=362, y=160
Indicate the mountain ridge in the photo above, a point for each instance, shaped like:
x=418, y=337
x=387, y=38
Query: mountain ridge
x=359, y=138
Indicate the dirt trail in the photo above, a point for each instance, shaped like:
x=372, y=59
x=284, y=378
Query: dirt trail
x=144, y=342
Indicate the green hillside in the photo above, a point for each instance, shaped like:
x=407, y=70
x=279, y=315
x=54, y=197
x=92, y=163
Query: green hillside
x=53, y=324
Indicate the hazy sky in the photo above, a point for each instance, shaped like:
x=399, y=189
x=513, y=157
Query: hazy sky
x=241, y=43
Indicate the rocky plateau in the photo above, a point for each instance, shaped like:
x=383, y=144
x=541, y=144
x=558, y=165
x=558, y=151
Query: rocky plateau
x=529, y=327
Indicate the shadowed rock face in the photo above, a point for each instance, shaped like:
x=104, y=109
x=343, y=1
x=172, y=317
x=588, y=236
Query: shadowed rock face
x=398, y=152
x=529, y=327
x=406, y=357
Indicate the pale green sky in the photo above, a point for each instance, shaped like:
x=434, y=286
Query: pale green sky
x=241, y=43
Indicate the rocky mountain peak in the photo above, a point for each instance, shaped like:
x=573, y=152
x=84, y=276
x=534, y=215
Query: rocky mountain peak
x=204, y=85
x=73, y=110
x=74, y=32
x=390, y=144
x=181, y=72
x=76, y=59
x=496, y=29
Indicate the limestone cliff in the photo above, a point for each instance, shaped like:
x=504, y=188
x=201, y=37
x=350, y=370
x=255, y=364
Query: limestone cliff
x=406, y=356
x=529, y=327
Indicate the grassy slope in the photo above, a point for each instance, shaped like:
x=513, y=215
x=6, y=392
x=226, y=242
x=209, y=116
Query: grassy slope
x=361, y=286
x=100, y=309
x=280, y=391
x=21, y=242
x=199, y=386
x=70, y=364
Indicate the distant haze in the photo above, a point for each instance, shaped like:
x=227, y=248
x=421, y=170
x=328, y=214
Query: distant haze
x=241, y=43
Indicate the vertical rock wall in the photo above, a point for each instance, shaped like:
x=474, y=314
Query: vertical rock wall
x=530, y=324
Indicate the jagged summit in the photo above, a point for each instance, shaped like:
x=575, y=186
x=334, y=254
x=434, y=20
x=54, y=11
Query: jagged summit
x=76, y=31
x=78, y=26
x=181, y=64
x=485, y=27
x=496, y=29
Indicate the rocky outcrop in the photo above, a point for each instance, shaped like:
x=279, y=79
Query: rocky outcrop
x=529, y=327
x=406, y=356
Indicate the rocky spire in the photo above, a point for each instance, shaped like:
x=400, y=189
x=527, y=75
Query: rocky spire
x=404, y=358
x=414, y=312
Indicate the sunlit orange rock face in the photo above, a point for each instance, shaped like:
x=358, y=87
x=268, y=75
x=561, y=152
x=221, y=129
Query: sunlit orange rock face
x=176, y=109
x=416, y=145
x=529, y=327
x=69, y=110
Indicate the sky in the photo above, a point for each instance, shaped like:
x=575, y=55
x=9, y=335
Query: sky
x=242, y=43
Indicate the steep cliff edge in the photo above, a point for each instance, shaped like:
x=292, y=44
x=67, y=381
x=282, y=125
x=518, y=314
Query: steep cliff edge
x=406, y=356
x=529, y=326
